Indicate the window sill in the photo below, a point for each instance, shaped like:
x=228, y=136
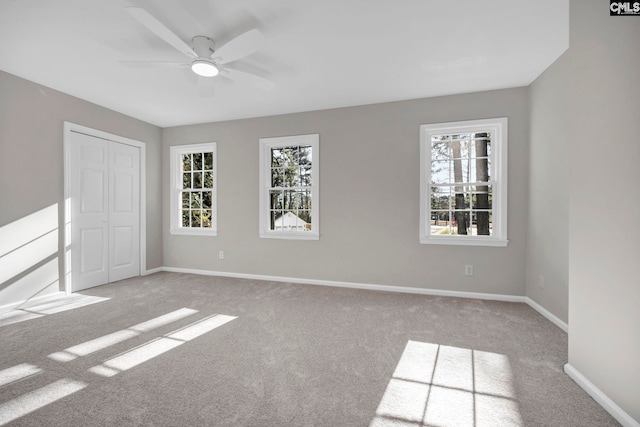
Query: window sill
x=197, y=232
x=463, y=241
x=290, y=236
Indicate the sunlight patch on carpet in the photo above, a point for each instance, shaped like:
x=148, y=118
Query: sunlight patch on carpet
x=43, y=396
x=437, y=385
x=108, y=340
x=17, y=316
x=37, y=399
x=52, y=307
x=154, y=348
x=17, y=373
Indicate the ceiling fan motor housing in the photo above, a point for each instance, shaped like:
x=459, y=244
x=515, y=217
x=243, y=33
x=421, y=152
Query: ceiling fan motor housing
x=203, y=46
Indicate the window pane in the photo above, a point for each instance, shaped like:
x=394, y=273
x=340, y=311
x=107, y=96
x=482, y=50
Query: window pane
x=206, y=218
x=440, y=148
x=482, y=152
x=296, y=199
x=305, y=219
x=291, y=176
x=465, y=150
x=441, y=223
x=460, y=171
x=186, y=216
x=290, y=220
x=277, y=157
x=441, y=172
x=295, y=154
x=277, y=199
x=208, y=161
x=206, y=199
x=275, y=219
x=186, y=180
x=483, y=166
x=306, y=200
x=481, y=198
x=481, y=223
x=208, y=180
x=196, y=218
x=461, y=222
x=305, y=175
x=185, y=199
x=277, y=177
x=289, y=155
x=197, y=161
x=186, y=162
x=461, y=199
x=197, y=179
x=196, y=200
x=306, y=157
x=440, y=202
x=287, y=200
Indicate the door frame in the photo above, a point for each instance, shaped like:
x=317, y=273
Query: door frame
x=73, y=127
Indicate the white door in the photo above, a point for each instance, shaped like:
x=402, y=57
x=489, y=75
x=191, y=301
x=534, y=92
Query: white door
x=124, y=211
x=105, y=211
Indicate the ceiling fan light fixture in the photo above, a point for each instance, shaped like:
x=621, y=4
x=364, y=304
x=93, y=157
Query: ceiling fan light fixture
x=204, y=68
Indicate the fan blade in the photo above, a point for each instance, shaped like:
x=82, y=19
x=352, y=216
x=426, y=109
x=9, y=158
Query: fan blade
x=243, y=45
x=153, y=64
x=252, y=79
x=206, y=86
x=160, y=30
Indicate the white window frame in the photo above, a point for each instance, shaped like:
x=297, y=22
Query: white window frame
x=498, y=127
x=266, y=144
x=175, y=203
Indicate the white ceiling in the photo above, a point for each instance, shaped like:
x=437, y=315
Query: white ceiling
x=321, y=54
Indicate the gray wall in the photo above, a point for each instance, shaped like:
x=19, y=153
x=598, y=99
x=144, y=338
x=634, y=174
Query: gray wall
x=31, y=157
x=369, y=195
x=604, y=202
x=547, y=273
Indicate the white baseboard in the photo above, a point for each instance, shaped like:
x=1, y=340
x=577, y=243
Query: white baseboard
x=32, y=301
x=546, y=313
x=353, y=285
x=373, y=287
x=153, y=270
x=597, y=394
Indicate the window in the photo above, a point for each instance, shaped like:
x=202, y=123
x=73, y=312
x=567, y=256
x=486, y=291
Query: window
x=193, y=189
x=289, y=187
x=463, y=187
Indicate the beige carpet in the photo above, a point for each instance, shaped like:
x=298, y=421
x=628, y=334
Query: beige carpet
x=184, y=350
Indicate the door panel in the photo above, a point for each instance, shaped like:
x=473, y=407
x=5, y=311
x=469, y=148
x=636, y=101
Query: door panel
x=124, y=212
x=122, y=251
x=92, y=201
x=123, y=202
x=92, y=242
x=89, y=216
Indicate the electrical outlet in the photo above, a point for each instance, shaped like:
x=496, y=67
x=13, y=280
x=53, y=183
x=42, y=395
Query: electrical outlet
x=221, y=255
x=541, y=281
x=468, y=270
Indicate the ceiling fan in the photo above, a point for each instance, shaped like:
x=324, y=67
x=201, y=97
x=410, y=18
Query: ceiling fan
x=205, y=60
